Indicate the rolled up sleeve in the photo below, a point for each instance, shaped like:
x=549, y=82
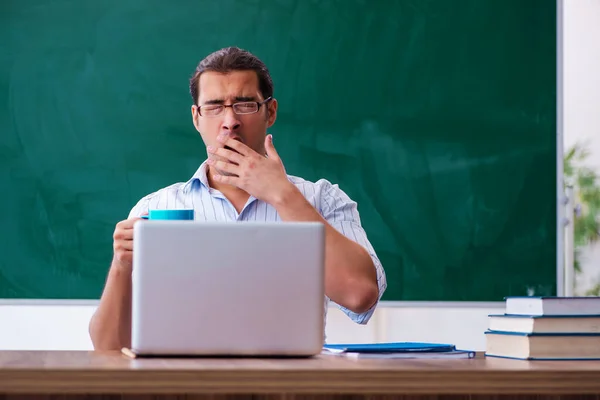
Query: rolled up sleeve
x=341, y=212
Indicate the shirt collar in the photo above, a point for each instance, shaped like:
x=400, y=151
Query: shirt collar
x=199, y=175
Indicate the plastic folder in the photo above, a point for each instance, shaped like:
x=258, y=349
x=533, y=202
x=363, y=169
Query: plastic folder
x=394, y=347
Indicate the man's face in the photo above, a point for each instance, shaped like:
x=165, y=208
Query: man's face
x=229, y=88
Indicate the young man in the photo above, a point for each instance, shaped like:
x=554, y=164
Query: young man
x=243, y=179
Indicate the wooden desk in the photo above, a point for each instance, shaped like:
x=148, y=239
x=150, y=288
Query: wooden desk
x=67, y=374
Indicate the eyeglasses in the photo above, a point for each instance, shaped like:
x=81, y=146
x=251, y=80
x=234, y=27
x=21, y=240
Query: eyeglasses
x=244, y=107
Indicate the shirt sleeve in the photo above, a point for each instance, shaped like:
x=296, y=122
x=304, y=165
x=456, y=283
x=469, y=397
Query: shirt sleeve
x=140, y=208
x=341, y=212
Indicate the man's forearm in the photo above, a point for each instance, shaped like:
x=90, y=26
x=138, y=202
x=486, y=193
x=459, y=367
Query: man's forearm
x=110, y=326
x=350, y=276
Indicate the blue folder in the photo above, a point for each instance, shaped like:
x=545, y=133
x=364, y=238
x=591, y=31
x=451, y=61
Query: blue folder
x=394, y=347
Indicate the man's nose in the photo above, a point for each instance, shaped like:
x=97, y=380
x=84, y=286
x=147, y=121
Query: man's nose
x=231, y=121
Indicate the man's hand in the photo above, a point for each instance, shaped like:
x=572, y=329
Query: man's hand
x=260, y=176
x=123, y=244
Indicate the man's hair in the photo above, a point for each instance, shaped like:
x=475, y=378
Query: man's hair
x=232, y=59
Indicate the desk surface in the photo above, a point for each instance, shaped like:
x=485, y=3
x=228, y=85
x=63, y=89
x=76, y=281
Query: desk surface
x=112, y=372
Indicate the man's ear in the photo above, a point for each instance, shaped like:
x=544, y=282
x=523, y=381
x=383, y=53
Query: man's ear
x=271, y=113
x=195, y=116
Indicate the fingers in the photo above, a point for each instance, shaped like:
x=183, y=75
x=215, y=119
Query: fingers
x=226, y=153
x=124, y=229
x=123, y=232
x=235, y=144
x=128, y=223
x=123, y=242
x=123, y=245
x=270, y=148
x=225, y=166
x=228, y=180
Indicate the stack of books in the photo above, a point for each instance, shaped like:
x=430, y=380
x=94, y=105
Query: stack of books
x=546, y=328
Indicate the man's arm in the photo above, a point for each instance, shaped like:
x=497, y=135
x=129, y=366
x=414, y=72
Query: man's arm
x=110, y=326
x=350, y=275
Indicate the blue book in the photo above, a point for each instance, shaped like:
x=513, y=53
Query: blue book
x=393, y=347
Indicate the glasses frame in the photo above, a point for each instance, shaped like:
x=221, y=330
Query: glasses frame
x=258, y=105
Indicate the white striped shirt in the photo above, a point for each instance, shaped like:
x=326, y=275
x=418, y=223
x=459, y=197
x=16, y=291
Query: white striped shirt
x=211, y=205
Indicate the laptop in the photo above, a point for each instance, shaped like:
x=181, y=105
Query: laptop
x=228, y=289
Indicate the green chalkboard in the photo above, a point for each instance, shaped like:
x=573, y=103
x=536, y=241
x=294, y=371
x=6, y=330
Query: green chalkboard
x=437, y=117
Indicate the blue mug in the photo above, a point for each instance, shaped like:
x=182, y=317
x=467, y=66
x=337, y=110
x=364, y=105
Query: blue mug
x=184, y=214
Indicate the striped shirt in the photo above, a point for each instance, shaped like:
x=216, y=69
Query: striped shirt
x=211, y=205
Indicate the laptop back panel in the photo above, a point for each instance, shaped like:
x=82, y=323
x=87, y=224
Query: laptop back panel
x=228, y=288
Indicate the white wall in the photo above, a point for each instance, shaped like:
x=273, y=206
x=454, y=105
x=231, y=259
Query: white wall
x=581, y=80
x=65, y=327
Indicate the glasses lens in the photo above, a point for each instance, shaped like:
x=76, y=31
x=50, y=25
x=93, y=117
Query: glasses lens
x=245, y=107
x=212, y=109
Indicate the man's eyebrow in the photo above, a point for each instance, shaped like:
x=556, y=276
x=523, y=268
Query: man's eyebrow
x=245, y=98
x=237, y=98
x=214, y=101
